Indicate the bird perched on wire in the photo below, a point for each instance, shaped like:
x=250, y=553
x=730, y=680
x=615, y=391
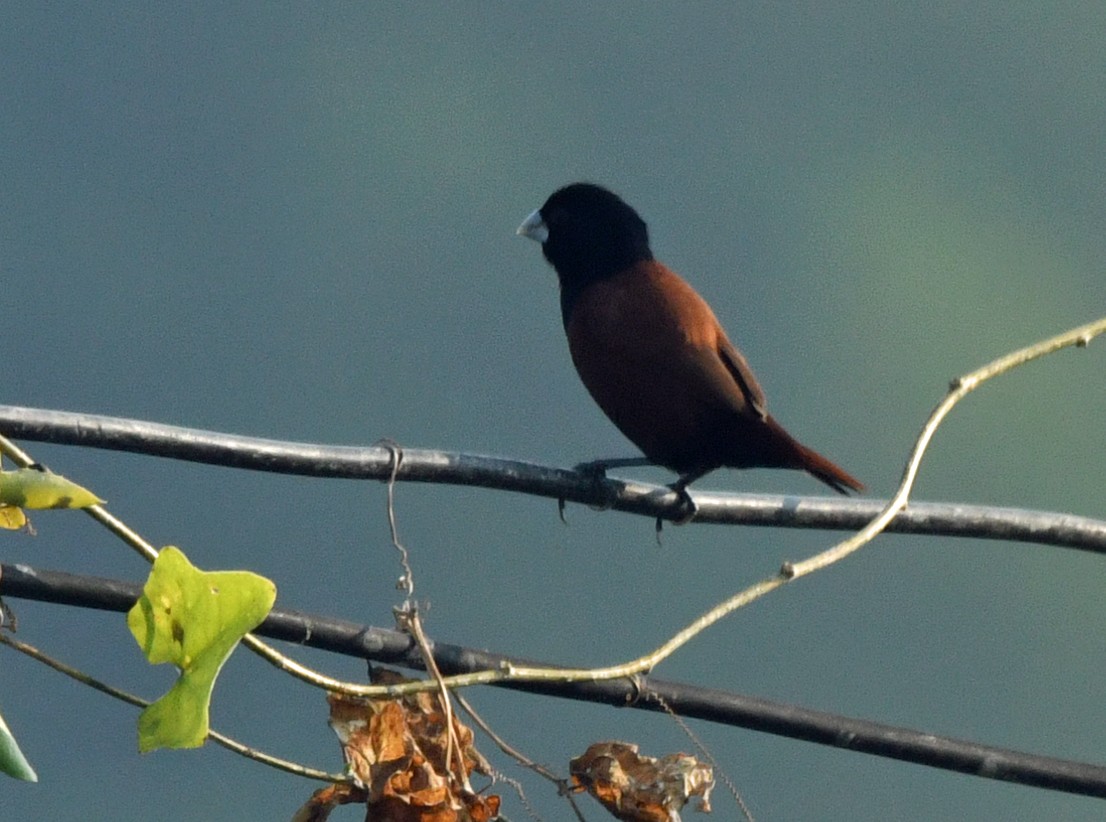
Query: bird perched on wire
x=651, y=352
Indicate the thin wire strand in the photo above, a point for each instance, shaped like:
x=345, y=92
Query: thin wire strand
x=719, y=771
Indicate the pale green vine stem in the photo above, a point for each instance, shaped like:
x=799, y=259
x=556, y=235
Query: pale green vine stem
x=960, y=388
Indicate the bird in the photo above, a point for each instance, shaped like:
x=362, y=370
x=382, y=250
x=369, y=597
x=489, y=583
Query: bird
x=652, y=353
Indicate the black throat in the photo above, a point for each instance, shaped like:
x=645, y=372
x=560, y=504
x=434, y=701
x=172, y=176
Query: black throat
x=575, y=284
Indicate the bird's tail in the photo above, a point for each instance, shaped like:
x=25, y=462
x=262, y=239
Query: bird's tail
x=809, y=460
x=832, y=475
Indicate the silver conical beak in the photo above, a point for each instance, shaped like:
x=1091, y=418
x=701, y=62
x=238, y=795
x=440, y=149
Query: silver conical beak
x=534, y=227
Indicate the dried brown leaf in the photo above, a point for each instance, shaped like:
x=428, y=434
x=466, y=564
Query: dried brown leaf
x=638, y=788
x=396, y=748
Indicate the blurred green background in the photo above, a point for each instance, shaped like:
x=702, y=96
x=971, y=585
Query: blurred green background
x=296, y=221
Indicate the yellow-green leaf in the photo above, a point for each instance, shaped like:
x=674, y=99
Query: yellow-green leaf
x=12, y=761
x=193, y=619
x=36, y=488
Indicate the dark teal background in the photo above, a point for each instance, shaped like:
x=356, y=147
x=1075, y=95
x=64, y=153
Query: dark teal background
x=297, y=221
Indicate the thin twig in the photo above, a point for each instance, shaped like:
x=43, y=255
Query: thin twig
x=959, y=389
x=409, y=621
x=220, y=739
x=564, y=788
x=262, y=649
x=406, y=582
x=1076, y=337
x=97, y=512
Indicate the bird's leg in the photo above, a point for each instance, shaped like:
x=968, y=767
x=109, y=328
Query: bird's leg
x=600, y=467
x=597, y=470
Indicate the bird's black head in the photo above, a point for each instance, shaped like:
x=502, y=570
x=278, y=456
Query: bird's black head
x=587, y=233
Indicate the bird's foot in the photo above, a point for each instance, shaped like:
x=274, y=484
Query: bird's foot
x=596, y=471
x=690, y=508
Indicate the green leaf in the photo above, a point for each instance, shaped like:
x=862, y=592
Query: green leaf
x=12, y=761
x=193, y=619
x=12, y=518
x=37, y=488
